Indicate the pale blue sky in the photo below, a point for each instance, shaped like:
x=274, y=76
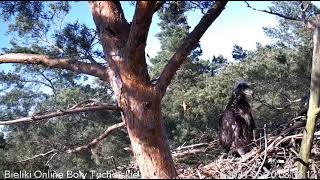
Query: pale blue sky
x=236, y=25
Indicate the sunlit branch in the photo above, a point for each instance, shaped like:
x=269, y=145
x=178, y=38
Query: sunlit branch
x=72, y=65
x=188, y=44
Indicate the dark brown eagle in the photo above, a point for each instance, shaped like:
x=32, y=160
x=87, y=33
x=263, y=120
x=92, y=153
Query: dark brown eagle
x=236, y=122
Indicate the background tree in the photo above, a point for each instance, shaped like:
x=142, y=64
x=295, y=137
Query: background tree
x=238, y=53
x=310, y=19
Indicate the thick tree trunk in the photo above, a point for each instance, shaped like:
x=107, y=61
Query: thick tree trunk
x=313, y=110
x=147, y=134
x=128, y=75
x=142, y=115
x=124, y=49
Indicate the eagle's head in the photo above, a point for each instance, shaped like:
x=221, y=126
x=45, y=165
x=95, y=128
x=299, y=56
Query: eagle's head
x=243, y=91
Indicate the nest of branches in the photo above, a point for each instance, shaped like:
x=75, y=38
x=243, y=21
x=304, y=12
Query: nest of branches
x=274, y=155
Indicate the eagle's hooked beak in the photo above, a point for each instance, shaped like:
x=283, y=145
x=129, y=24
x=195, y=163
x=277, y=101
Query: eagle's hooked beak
x=248, y=93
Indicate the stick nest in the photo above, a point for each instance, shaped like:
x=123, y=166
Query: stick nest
x=274, y=155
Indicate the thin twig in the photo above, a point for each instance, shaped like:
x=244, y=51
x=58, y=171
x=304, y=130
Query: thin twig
x=265, y=151
x=91, y=145
x=39, y=155
x=51, y=158
x=274, y=13
x=61, y=113
x=95, y=141
x=198, y=5
x=296, y=136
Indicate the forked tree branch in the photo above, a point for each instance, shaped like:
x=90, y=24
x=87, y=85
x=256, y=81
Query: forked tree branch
x=95, y=141
x=198, y=6
x=136, y=43
x=75, y=66
x=274, y=13
x=188, y=44
x=111, y=25
x=58, y=113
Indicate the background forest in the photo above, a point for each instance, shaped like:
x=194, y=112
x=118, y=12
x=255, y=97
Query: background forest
x=279, y=74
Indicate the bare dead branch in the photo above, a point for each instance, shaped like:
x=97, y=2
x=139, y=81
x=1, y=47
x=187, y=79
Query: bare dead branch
x=75, y=66
x=192, y=149
x=265, y=153
x=40, y=155
x=188, y=152
x=191, y=146
x=263, y=102
x=188, y=44
x=47, y=79
x=36, y=81
x=90, y=102
x=274, y=13
x=95, y=141
x=93, y=108
x=198, y=6
x=51, y=157
x=305, y=8
x=308, y=23
x=91, y=145
x=296, y=136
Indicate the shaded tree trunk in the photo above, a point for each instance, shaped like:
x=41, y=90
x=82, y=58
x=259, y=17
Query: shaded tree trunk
x=313, y=110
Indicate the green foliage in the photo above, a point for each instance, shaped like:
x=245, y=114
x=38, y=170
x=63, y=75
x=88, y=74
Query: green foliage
x=65, y=132
x=278, y=73
x=31, y=17
x=29, y=89
x=238, y=53
x=76, y=41
x=174, y=29
x=291, y=33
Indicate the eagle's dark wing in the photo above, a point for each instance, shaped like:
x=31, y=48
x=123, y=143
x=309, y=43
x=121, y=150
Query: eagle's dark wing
x=226, y=131
x=234, y=131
